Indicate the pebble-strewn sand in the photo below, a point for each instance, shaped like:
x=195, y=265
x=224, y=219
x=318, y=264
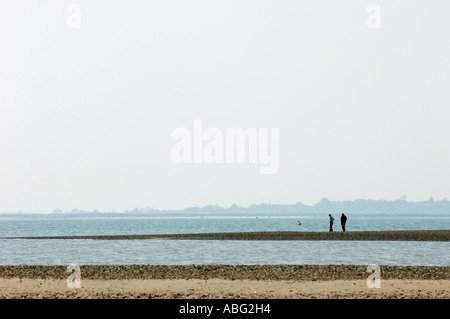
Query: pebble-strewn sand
x=412, y=235
x=260, y=281
x=228, y=272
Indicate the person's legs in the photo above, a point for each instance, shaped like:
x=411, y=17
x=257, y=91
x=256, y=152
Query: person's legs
x=343, y=226
x=331, y=226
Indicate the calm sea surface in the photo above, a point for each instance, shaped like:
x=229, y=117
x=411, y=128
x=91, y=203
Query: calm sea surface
x=187, y=252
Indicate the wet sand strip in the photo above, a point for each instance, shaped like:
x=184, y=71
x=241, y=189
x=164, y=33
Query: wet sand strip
x=399, y=235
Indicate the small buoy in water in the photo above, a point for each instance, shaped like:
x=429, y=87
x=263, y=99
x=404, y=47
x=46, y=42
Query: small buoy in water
x=299, y=223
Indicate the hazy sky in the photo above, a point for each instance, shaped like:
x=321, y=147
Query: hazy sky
x=87, y=113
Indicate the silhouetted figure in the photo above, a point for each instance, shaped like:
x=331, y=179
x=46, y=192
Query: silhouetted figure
x=331, y=222
x=343, y=221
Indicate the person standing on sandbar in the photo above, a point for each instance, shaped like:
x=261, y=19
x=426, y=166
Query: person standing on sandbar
x=343, y=221
x=331, y=222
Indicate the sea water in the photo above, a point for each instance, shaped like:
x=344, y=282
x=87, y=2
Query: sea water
x=118, y=224
x=187, y=252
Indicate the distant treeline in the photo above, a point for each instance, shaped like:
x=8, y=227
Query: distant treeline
x=325, y=206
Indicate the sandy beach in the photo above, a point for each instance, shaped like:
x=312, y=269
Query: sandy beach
x=223, y=289
x=225, y=282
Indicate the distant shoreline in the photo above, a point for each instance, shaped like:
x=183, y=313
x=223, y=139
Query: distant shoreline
x=397, y=235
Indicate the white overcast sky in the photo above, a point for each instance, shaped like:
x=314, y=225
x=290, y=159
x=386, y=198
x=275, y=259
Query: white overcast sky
x=86, y=115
